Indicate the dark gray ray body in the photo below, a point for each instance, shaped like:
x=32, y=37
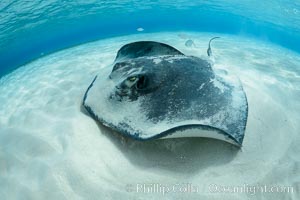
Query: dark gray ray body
x=156, y=91
x=144, y=48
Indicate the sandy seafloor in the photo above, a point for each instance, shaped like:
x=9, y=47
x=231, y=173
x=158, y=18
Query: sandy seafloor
x=50, y=149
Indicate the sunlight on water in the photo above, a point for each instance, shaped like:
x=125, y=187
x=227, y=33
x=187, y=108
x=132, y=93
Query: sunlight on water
x=29, y=29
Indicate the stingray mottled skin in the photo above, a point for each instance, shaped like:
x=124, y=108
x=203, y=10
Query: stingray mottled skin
x=155, y=91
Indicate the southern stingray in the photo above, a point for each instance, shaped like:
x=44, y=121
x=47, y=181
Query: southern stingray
x=155, y=91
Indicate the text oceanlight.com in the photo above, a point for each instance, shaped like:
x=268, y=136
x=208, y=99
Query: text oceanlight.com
x=151, y=188
x=250, y=189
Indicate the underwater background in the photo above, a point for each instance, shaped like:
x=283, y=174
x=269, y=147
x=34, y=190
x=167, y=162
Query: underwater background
x=30, y=29
x=50, y=148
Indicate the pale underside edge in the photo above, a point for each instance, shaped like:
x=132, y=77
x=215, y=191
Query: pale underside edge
x=197, y=132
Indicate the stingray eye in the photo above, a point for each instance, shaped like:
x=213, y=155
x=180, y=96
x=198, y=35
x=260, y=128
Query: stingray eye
x=132, y=79
x=141, y=83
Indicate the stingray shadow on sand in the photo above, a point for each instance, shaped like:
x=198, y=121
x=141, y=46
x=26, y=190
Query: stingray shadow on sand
x=178, y=155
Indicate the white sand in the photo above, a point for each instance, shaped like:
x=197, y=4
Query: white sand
x=49, y=149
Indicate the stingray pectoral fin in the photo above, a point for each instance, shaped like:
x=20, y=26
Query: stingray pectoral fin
x=189, y=99
x=145, y=48
x=197, y=130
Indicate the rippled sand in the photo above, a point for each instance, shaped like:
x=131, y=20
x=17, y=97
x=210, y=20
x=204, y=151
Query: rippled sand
x=51, y=149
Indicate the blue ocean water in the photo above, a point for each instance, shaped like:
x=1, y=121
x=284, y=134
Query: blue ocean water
x=30, y=29
x=51, y=149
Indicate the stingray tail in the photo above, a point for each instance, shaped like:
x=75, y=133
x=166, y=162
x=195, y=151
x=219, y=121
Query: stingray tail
x=209, y=52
